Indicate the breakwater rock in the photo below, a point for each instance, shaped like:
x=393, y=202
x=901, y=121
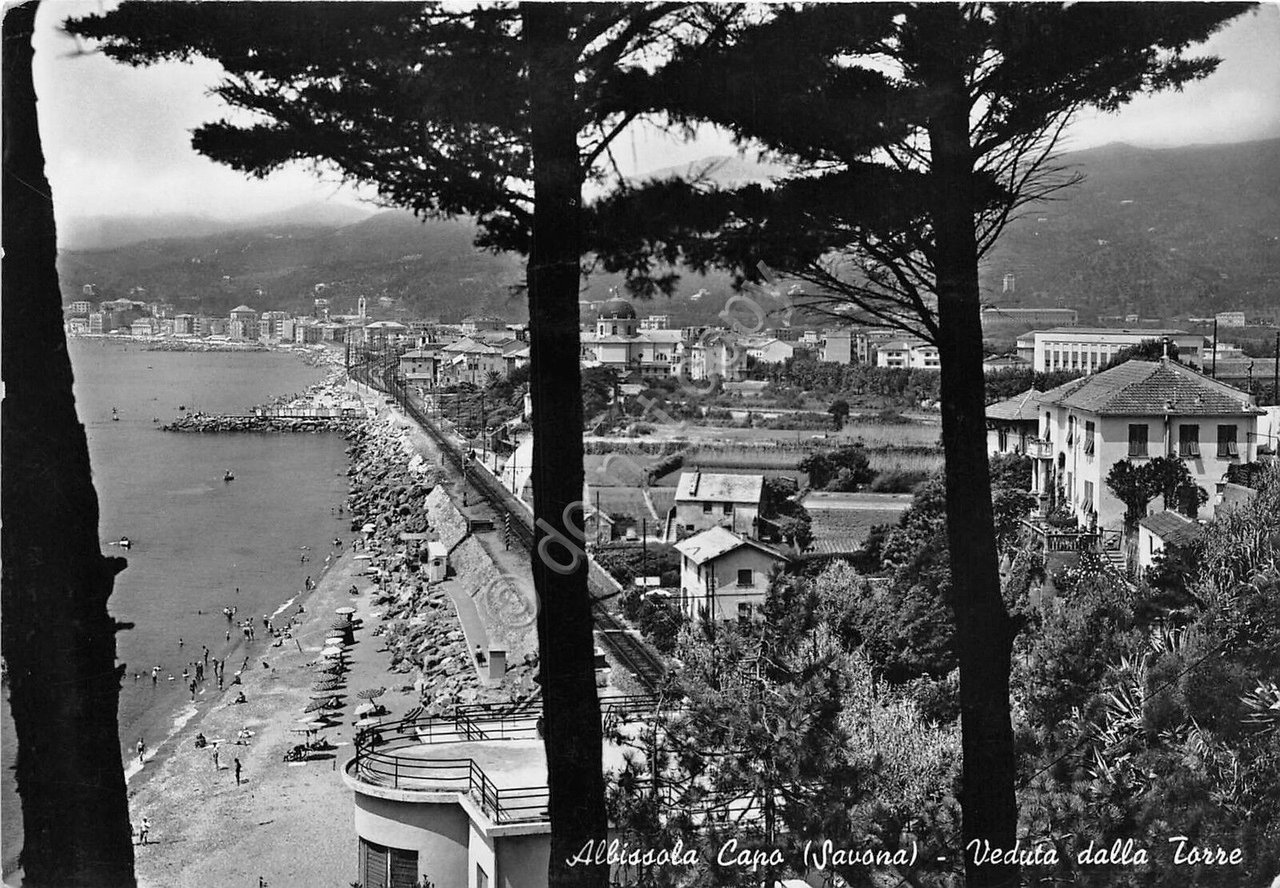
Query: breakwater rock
x=207, y=422
x=394, y=492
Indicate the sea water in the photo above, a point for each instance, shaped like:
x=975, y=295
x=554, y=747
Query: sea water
x=196, y=538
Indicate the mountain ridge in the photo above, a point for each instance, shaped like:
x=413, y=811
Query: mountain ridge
x=1159, y=232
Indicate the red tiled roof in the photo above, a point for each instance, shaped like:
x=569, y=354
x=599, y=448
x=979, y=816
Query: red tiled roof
x=1024, y=407
x=1172, y=528
x=1151, y=388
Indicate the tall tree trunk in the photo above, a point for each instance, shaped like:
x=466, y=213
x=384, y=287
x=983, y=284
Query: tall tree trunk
x=571, y=708
x=984, y=634
x=59, y=641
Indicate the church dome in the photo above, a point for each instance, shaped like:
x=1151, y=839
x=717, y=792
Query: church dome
x=617, y=309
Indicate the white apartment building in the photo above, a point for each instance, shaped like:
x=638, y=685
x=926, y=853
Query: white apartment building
x=908, y=354
x=1086, y=349
x=1137, y=411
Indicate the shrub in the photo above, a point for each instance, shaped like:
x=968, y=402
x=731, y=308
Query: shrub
x=898, y=481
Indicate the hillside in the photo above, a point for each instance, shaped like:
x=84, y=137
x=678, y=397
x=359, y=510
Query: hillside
x=1158, y=232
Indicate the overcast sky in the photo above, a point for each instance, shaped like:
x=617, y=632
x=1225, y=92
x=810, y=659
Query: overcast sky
x=117, y=139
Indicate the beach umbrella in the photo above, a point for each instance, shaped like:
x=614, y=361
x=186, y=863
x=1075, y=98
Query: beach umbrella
x=347, y=611
x=315, y=705
x=368, y=722
x=324, y=695
x=371, y=693
x=331, y=652
x=328, y=684
x=333, y=667
x=335, y=640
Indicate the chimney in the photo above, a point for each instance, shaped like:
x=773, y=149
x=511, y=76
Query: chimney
x=693, y=485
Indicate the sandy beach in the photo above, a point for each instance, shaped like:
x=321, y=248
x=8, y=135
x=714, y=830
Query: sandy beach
x=291, y=823
x=288, y=823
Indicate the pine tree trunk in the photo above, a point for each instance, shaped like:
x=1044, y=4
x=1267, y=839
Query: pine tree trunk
x=984, y=635
x=566, y=641
x=59, y=641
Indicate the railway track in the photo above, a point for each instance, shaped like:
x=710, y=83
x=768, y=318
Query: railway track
x=628, y=650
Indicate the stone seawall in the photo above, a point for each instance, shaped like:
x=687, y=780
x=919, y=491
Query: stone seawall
x=203, y=422
x=394, y=491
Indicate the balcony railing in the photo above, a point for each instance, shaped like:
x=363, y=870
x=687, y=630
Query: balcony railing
x=1039, y=449
x=383, y=753
x=1057, y=539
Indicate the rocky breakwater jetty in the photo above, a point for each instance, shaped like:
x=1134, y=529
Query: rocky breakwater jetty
x=211, y=422
x=324, y=407
x=398, y=503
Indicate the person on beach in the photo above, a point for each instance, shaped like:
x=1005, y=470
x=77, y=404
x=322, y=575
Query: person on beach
x=193, y=690
x=144, y=831
x=155, y=674
x=206, y=654
x=228, y=635
x=180, y=641
x=216, y=766
x=237, y=771
x=142, y=748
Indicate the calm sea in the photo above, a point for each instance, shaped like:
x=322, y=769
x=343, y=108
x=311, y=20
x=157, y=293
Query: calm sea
x=196, y=538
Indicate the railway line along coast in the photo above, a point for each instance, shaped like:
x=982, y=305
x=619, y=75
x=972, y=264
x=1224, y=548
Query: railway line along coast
x=618, y=640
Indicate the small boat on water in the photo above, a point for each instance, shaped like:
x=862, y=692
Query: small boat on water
x=123, y=543
x=115, y=414
x=228, y=476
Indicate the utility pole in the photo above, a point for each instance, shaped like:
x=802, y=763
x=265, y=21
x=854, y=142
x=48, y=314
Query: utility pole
x=1214, y=372
x=644, y=550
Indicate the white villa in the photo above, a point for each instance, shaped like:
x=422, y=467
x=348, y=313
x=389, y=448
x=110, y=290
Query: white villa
x=623, y=342
x=724, y=575
x=1137, y=411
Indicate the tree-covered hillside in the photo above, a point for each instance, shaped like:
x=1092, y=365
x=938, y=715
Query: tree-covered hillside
x=1153, y=232
x=1156, y=232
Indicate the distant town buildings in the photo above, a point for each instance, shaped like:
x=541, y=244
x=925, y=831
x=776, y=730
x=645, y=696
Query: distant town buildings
x=837, y=347
x=768, y=349
x=997, y=363
x=1087, y=349
x=1039, y=317
x=622, y=342
x=1230, y=319
x=243, y=324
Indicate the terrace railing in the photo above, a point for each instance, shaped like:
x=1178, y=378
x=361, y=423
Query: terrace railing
x=383, y=759
x=1055, y=539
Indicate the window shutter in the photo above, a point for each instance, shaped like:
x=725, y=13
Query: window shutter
x=404, y=868
x=373, y=865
